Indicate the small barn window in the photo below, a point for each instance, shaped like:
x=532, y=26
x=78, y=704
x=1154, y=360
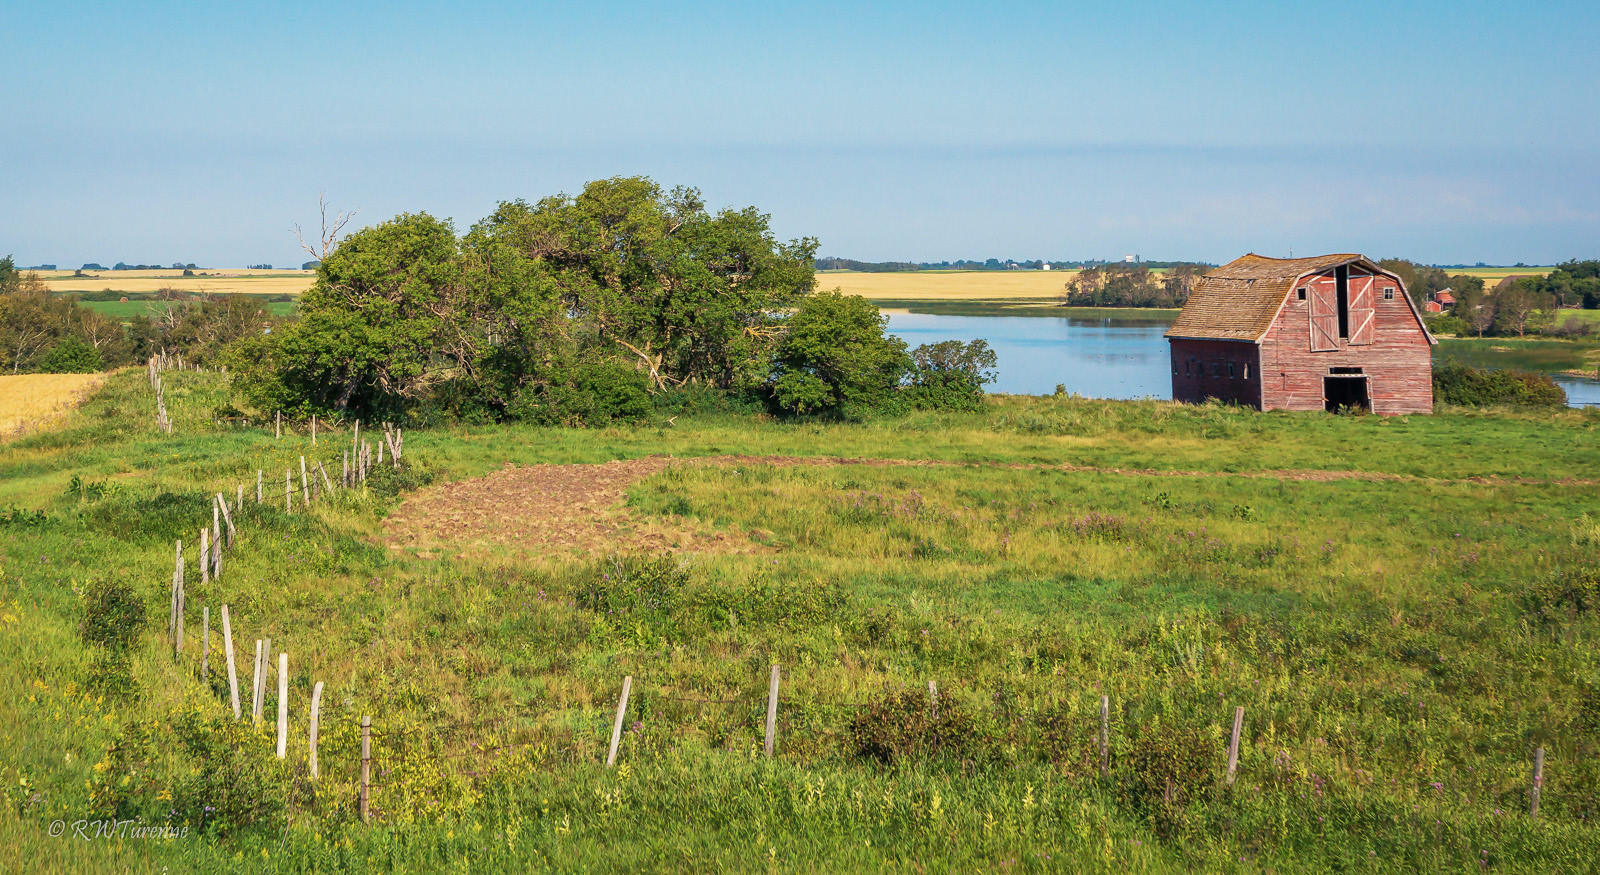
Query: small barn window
x=1247, y=371
x=1300, y=293
x=1230, y=370
x=1216, y=369
x=1388, y=293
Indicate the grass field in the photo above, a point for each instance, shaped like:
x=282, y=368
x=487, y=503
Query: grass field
x=130, y=309
x=29, y=402
x=220, y=281
x=1400, y=604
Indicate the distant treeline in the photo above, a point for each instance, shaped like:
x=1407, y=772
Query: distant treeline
x=44, y=332
x=987, y=264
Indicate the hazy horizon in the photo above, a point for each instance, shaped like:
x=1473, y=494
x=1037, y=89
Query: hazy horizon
x=1444, y=133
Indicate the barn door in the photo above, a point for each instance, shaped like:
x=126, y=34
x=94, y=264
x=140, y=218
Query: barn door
x=1361, y=309
x=1324, y=316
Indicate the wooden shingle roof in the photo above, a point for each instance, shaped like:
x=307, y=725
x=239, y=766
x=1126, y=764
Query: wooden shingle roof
x=1239, y=300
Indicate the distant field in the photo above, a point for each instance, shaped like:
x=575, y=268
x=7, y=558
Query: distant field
x=28, y=401
x=964, y=285
x=1492, y=275
x=221, y=281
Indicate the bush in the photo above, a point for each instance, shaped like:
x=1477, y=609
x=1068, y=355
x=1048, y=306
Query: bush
x=1466, y=386
x=113, y=614
x=1169, y=766
x=72, y=356
x=1444, y=323
x=950, y=375
x=835, y=360
x=590, y=393
x=213, y=774
x=902, y=728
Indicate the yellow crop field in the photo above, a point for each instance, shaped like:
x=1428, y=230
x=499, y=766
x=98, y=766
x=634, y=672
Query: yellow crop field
x=31, y=401
x=221, y=282
x=955, y=285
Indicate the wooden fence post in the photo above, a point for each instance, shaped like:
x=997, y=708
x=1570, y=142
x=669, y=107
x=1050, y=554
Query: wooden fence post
x=1233, y=742
x=258, y=486
x=288, y=492
x=1538, y=783
x=205, y=555
x=255, y=688
x=616, y=728
x=227, y=517
x=313, y=429
x=279, y=427
x=772, y=712
x=177, y=631
x=305, y=488
x=316, y=707
x=366, y=765
x=933, y=699
x=326, y=482
x=238, y=499
x=227, y=650
x=283, y=705
x=344, y=477
x=205, y=645
x=1105, y=735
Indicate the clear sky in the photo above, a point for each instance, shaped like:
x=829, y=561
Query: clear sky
x=1440, y=131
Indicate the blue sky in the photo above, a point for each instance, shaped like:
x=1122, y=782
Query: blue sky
x=1443, y=132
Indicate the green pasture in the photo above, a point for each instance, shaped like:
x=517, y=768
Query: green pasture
x=1401, y=640
x=134, y=307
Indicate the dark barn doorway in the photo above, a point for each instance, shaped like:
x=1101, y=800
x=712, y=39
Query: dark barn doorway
x=1345, y=390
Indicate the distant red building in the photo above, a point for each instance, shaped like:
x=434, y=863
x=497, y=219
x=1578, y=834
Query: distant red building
x=1303, y=334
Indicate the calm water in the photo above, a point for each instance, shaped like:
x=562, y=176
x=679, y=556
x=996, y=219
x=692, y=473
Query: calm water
x=1096, y=358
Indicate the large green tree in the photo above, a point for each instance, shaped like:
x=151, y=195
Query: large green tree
x=370, y=334
x=693, y=296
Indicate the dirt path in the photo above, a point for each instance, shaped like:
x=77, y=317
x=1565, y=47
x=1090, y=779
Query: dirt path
x=581, y=508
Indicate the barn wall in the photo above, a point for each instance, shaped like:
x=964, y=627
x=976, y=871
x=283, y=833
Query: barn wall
x=1200, y=370
x=1398, y=363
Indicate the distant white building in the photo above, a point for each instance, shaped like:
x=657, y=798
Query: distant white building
x=1128, y=259
x=1044, y=265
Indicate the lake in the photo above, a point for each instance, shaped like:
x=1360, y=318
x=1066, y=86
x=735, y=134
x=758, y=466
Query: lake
x=1096, y=358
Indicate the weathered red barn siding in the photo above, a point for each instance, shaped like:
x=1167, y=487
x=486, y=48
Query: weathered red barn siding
x=1200, y=370
x=1397, y=363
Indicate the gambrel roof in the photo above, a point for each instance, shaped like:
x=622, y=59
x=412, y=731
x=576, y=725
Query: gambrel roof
x=1240, y=300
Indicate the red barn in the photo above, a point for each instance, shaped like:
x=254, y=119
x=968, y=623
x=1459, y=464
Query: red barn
x=1303, y=334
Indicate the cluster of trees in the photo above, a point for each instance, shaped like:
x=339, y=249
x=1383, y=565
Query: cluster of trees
x=1122, y=284
x=49, y=333
x=540, y=309
x=1514, y=307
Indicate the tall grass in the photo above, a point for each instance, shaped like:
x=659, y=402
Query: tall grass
x=1400, y=645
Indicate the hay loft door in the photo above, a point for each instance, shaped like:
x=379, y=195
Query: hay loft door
x=1324, y=315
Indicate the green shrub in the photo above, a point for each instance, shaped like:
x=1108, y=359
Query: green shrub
x=1564, y=595
x=71, y=356
x=1466, y=386
x=387, y=481
x=950, y=375
x=1444, y=323
x=113, y=614
x=902, y=727
x=590, y=393
x=213, y=774
x=835, y=360
x=1068, y=740
x=1169, y=766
